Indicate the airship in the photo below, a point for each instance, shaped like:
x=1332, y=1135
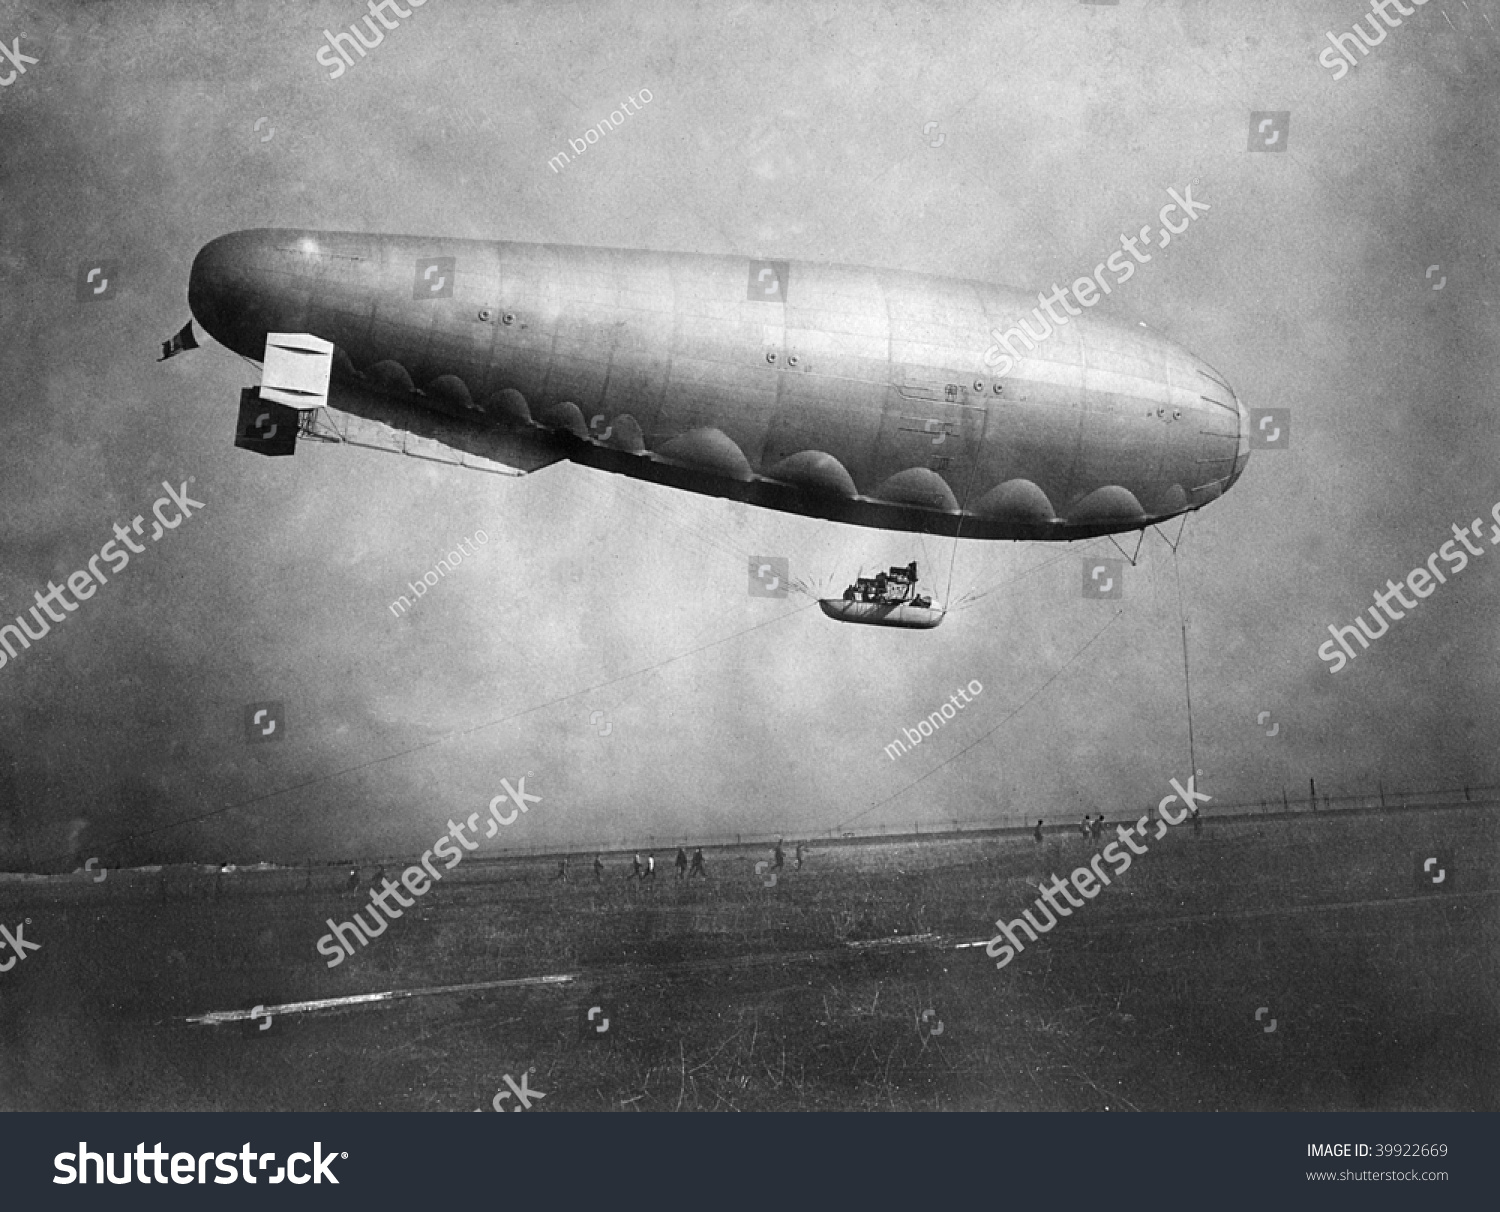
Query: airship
x=863, y=396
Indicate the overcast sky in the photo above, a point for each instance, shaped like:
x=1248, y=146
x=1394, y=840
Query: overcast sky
x=799, y=131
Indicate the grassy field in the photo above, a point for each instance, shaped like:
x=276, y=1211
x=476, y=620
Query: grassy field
x=841, y=987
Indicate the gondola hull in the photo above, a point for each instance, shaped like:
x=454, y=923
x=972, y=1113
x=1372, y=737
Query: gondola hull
x=877, y=614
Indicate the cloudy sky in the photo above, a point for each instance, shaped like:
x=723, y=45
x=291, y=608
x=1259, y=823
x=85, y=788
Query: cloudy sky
x=603, y=643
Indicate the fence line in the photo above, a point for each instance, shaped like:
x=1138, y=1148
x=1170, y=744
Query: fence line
x=1282, y=804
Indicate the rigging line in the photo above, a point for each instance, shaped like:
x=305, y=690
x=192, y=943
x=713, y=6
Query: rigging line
x=324, y=778
x=574, y=486
x=671, y=511
x=675, y=517
x=632, y=700
x=1187, y=684
x=957, y=533
x=1169, y=542
x=979, y=596
x=1066, y=549
x=1141, y=538
x=1020, y=708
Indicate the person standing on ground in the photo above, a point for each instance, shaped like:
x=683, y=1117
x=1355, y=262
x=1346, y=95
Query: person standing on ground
x=779, y=856
x=562, y=870
x=799, y=856
x=698, y=864
x=651, y=866
x=681, y=862
x=1037, y=832
x=598, y=869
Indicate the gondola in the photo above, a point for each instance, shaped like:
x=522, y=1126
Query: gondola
x=888, y=599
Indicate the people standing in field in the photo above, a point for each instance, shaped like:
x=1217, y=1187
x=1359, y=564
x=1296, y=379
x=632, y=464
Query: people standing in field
x=799, y=856
x=1037, y=832
x=651, y=866
x=780, y=857
x=698, y=868
x=598, y=869
x=562, y=871
x=635, y=867
x=681, y=863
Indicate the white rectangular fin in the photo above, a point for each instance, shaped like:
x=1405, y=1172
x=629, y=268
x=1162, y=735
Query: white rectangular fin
x=296, y=370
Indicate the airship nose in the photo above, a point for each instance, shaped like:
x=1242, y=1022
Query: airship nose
x=232, y=283
x=214, y=282
x=1225, y=431
x=1242, y=453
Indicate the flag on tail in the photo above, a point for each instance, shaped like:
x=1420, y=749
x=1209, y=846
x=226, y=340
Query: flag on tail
x=180, y=343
